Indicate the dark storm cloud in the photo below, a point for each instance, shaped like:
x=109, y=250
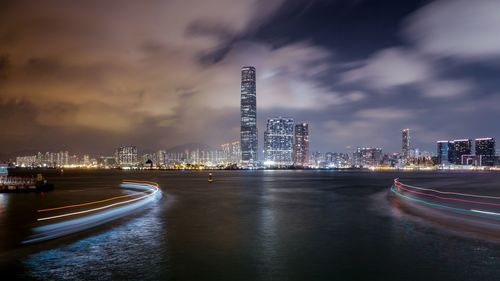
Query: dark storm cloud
x=92, y=75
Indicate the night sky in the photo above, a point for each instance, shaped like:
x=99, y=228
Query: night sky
x=88, y=76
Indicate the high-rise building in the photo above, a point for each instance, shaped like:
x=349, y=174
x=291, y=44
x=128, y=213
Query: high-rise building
x=337, y=160
x=460, y=148
x=485, y=150
x=226, y=150
x=106, y=161
x=248, y=132
x=406, y=146
x=317, y=158
x=86, y=159
x=278, y=141
x=161, y=157
x=367, y=156
x=444, y=152
x=235, y=151
x=301, y=144
x=126, y=156
x=231, y=152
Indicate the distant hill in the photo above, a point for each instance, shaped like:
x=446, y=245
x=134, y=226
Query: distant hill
x=190, y=146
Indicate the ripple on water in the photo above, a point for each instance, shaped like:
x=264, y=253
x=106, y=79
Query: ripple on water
x=126, y=249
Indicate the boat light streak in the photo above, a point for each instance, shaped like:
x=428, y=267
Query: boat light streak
x=442, y=206
x=485, y=212
x=85, y=204
x=127, y=184
x=448, y=198
x=73, y=225
x=396, y=181
x=427, y=203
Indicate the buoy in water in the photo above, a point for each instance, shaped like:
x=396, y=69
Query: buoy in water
x=210, y=178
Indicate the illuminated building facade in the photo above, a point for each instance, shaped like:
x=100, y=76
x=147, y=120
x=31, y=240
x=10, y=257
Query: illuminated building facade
x=47, y=159
x=485, y=150
x=231, y=152
x=278, y=141
x=106, y=161
x=317, y=158
x=86, y=159
x=367, y=156
x=444, y=152
x=248, y=132
x=126, y=156
x=337, y=160
x=460, y=148
x=301, y=144
x=235, y=152
x=406, y=146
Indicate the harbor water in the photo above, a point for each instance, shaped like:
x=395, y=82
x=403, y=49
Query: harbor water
x=250, y=225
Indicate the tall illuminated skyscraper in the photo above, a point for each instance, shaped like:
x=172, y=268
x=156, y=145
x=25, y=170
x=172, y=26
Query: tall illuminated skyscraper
x=278, y=141
x=406, y=146
x=248, y=131
x=301, y=144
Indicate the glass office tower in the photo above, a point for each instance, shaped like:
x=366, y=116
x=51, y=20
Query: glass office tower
x=248, y=131
x=278, y=141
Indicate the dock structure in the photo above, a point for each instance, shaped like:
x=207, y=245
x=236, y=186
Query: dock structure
x=23, y=184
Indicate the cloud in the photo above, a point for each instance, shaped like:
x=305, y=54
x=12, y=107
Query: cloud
x=161, y=73
x=391, y=67
x=134, y=60
x=371, y=127
x=396, y=67
x=386, y=113
x=461, y=29
x=127, y=68
x=446, y=88
x=287, y=77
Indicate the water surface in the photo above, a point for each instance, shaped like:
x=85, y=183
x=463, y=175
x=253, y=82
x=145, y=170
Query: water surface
x=250, y=225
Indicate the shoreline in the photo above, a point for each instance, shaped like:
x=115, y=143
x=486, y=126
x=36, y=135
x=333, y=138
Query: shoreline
x=371, y=169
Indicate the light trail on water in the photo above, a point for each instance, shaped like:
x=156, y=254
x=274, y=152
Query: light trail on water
x=447, y=192
x=85, y=204
x=97, y=216
x=427, y=203
x=398, y=187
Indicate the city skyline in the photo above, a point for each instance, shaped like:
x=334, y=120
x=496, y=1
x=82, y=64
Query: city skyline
x=353, y=76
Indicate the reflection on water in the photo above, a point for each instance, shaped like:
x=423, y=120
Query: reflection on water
x=125, y=250
x=3, y=207
x=267, y=233
x=253, y=225
x=3, y=203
